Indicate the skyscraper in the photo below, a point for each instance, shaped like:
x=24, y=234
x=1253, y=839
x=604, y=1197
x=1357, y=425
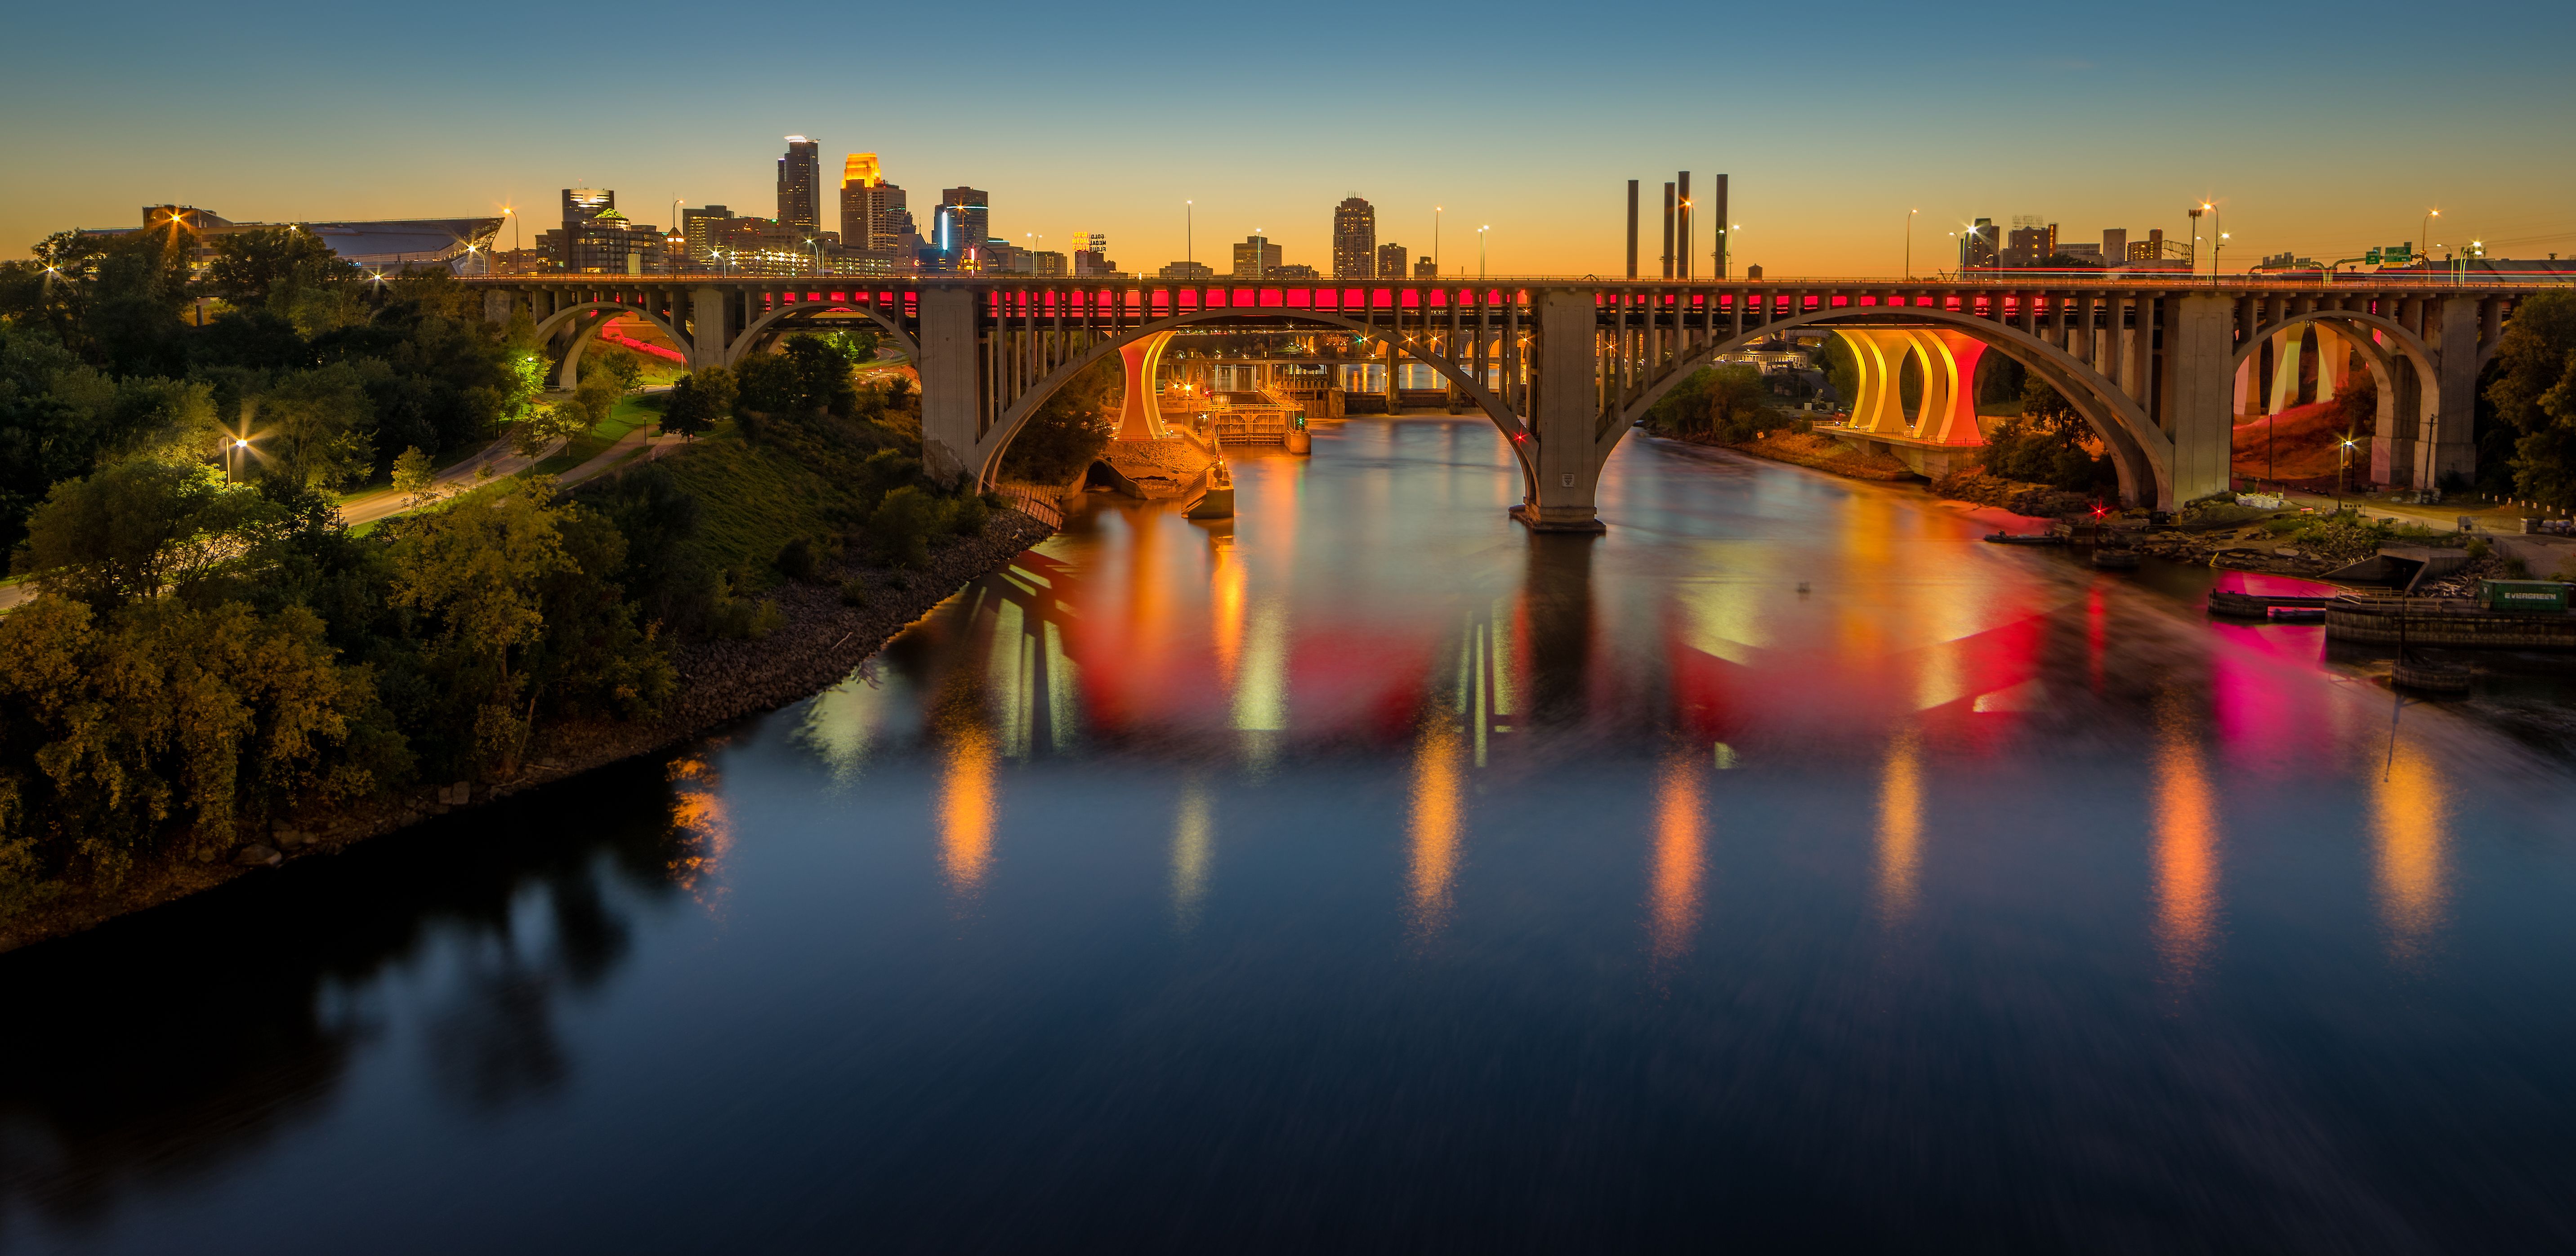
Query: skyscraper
x=800, y=185
x=966, y=220
x=1354, y=239
x=1980, y=244
x=1390, y=261
x=580, y=205
x=873, y=215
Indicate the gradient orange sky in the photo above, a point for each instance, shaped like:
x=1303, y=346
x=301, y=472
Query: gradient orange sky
x=1833, y=122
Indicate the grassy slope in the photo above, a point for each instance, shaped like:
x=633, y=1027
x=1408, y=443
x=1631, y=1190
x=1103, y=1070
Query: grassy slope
x=633, y=411
x=752, y=501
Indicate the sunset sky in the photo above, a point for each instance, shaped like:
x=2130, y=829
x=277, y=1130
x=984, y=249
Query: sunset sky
x=2320, y=129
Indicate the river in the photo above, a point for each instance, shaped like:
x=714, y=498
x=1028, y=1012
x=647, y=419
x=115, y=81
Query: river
x=1784, y=869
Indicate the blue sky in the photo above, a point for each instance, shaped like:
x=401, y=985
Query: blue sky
x=1832, y=120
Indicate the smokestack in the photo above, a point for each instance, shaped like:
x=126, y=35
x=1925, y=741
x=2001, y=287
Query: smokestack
x=1668, y=231
x=1723, y=226
x=1632, y=228
x=1685, y=255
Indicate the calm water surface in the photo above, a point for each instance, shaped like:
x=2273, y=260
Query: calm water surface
x=1783, y=870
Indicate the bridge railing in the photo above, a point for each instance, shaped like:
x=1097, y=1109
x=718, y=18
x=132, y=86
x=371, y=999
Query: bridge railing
x=2164, y=281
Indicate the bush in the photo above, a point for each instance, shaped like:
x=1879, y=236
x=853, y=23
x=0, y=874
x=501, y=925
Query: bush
x=796, y=560
x=900, y=528
x=746, y=620
x=1728, y=403
x=854, y=592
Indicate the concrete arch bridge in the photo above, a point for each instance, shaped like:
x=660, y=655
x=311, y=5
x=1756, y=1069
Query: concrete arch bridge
x=1563, y=367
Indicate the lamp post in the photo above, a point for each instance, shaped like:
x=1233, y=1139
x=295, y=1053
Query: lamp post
x=2194, y=213
x=230, y=452
x=2341, y=469
x=2216, y=241
x=1189, y=226
x=2427, y=236
x=1909, y=242
x=1480, y=251
x=1435, y=241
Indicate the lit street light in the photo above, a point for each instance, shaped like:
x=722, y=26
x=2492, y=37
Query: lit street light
x=1909, y=243
x=1480, y=250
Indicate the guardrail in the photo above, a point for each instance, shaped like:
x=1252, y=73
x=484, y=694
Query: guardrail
x=1030, y=502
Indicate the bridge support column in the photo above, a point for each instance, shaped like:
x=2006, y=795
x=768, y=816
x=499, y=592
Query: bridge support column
x=952, y=399
x=707, y=330
x=2200, y=365
x=2449, y=444
x=1567, y=464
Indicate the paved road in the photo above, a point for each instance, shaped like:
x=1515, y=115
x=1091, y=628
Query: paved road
x=386, y=504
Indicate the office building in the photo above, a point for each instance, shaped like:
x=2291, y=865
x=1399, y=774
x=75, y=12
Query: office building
x=2151, y=249
x=874, y=213
x=1425, y=268
x=610, y=244
x=800, y=186
x=1255, y=257
x=694, y=227
x=965, y=221
x=1089, y=262
x=1186, y=270
x=1047, y=264
x=580, y=205
x=1390, y=261
x=1354, y=239
x=1980, y=245
x=1297, y=270
x=2115, y=245
x=2029, y=243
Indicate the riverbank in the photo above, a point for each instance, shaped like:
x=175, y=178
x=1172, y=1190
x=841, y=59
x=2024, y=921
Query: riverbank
x=817, y=642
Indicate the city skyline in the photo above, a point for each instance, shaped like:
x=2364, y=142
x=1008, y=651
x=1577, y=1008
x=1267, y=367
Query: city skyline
x=1824, y=172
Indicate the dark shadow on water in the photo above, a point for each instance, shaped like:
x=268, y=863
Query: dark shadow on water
x=162, y=1046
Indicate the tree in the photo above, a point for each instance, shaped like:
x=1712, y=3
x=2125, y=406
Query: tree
x=1727, y=403
x=314, y=429
x=251, y=266
x=476, y=574
x=822, y=376
x=544, y=425
x=622, y=365
x=698, y=401
x=2534, y=392
x=136, y=529
x=412, y=474
x=1068, y=430
x=767, y=383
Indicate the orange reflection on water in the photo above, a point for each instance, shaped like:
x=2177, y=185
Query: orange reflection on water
x=698, y=817
x=1679, y=859
x=2410, y=820
x=966, y=809
x=1437, y=819
x=2186, y=846
x=1900, y=823
x=1226, y=610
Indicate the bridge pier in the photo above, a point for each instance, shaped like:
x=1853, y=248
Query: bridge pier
x=1565, y=418
x=2200, y=360
x=952, y=370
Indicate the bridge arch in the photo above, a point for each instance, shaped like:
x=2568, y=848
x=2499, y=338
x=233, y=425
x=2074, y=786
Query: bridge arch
x=569, y=374
x=994, y=443
x=2406, y=342
x=759, y=329
x=2140, y=451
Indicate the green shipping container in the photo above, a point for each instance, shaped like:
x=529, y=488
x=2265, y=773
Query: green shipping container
x=2523, y=595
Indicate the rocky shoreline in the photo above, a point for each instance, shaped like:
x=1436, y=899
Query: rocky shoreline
x=816, y=644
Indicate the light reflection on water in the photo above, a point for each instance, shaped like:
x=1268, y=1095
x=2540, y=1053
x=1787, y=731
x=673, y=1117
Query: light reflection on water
x=1364, y=871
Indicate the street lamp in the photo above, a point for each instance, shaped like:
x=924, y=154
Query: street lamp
x=2216, y=244
x=1435, y=241
x=2427, y=237
x=1188, y=228
x=239, y=445
x=1909, y=242
x=1480, y=251
x=2340, y=470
